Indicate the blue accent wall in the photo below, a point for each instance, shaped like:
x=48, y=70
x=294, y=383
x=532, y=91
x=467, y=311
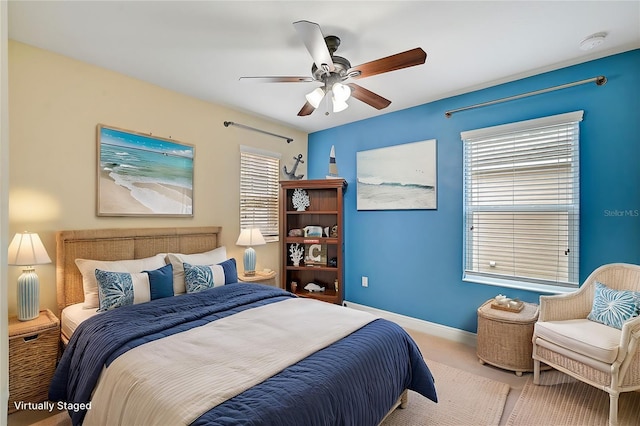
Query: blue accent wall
x=413, y=258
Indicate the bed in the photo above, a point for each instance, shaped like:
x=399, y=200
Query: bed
x=228, y=354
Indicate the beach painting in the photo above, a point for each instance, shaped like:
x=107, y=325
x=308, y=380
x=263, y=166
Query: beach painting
x=400, y=177
x=143, y=175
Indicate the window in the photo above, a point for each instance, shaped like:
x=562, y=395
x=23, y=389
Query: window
x=259, y=189
x=521, y=204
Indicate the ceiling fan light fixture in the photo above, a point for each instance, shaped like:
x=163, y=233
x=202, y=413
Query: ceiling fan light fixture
x=341, y=92
x=339, y=105
x=315, y=97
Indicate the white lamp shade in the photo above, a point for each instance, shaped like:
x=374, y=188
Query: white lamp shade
x=315, y=97
x=26, y=249
x=250, y=237
x=339, y=105
x=341, y=92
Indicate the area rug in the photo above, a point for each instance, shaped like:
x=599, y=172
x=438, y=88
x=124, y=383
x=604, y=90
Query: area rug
x=560, y=400
x=60, y=419
x=464, y=399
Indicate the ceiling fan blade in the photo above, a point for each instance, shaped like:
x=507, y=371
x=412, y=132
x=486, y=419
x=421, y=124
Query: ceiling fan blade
x=307, y=109
x=313, y=39
x=398, y=61
x=368, y=97
x=278, y=79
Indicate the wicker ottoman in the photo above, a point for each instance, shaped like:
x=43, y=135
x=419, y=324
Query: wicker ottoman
x=504, y=338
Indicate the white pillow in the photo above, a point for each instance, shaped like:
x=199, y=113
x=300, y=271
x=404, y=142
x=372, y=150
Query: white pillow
x=88, y=268
x=212, y=257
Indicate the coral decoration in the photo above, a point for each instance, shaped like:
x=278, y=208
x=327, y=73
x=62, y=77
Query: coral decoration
x=300, y=199
x=296, y=253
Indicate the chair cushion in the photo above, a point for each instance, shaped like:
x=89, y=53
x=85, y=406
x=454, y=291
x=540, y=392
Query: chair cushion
x=585, y=337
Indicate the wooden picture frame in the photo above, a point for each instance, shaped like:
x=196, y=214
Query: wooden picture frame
x=143, y=175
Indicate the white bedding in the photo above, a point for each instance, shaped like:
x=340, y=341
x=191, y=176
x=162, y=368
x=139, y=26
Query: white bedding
x=72, y=316
x=170, y=381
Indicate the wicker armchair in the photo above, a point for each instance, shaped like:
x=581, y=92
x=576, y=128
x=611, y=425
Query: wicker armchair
x=596, y=354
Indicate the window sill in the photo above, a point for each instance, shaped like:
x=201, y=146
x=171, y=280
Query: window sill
x=519, y=285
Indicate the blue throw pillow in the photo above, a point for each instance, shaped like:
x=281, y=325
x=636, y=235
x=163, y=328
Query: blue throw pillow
x=202, y=277
x=115, y=289
x=197, y=277
x=613, y=307
x=230, y=271
x=161, y=282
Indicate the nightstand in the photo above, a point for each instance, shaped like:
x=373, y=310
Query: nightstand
x=504, y=338
x=33, y=354
x=260, y=277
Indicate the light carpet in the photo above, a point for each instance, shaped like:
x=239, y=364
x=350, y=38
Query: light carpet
x=464, y=399
x=560, y=400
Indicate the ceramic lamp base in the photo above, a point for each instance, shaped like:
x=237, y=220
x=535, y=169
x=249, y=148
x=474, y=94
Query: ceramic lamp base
x=28, y=295
x=249, y=261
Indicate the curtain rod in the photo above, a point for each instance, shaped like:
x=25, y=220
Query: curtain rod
x=600, y=80
x=231, y=123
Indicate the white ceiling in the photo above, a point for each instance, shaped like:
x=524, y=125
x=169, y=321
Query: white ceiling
x=201, y=48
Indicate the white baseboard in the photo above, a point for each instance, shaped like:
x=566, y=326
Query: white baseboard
x=439, y=330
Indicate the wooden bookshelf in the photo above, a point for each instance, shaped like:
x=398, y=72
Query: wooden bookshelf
x=325, y=210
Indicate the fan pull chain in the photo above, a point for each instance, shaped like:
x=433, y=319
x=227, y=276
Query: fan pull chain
x=326, y=98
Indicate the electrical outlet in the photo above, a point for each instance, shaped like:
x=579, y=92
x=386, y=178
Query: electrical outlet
x=365, y=281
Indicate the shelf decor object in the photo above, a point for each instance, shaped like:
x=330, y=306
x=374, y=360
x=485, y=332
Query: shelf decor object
x=333, y=167
x=296, y=252
x=26, y=249
x=317, y=256
x=300, y=199
x=249, y=238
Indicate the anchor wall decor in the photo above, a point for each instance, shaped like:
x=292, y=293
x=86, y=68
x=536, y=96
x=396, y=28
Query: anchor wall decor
x=292, y=174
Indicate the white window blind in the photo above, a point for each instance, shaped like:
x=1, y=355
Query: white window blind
x=259, y=191
x=521, y=203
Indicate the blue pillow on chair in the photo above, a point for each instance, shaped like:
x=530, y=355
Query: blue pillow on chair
x=613, y=307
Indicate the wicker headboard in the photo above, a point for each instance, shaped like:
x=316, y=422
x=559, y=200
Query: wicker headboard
x=121, y=244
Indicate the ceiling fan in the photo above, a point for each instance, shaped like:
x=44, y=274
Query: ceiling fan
x=332, y=71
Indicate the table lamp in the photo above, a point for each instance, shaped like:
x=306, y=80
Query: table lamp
x=250, y=237
x=26, y=249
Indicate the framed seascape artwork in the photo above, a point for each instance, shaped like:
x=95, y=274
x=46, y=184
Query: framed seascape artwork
x=143, y=175
x=400, y=177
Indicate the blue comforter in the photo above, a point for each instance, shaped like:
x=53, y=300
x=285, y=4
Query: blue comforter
x=352, y=382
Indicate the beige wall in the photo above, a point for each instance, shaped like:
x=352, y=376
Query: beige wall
x=55, y=104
